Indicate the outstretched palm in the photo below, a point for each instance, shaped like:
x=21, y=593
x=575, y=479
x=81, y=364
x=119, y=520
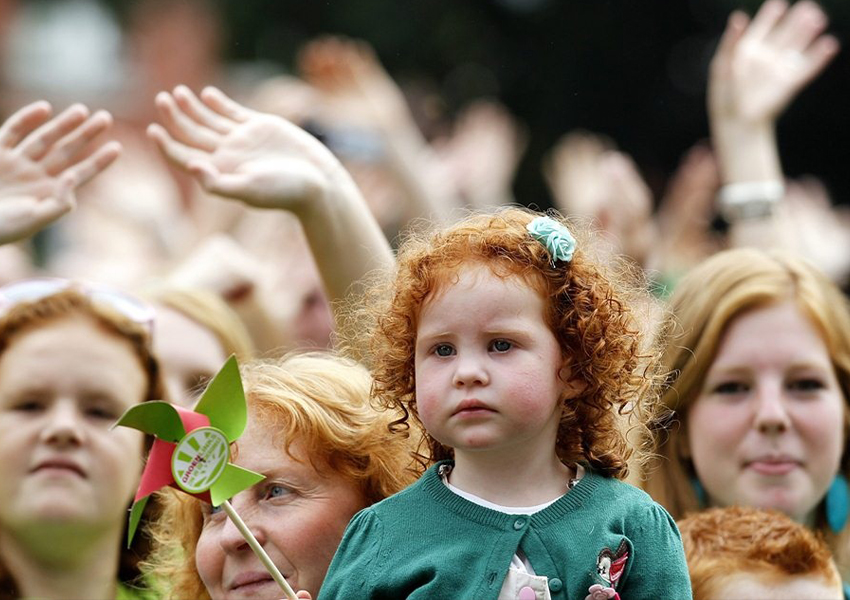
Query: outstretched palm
x=42, y=162
x=235, y=152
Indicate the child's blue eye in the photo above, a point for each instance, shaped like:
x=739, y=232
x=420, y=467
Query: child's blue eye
x=444, y=350
x=215, y=509
x=500, y=345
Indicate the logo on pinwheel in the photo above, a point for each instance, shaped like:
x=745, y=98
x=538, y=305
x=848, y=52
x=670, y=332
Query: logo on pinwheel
x=191, y=451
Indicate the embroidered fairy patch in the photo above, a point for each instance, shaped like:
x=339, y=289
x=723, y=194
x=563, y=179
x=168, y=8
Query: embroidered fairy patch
x=610, y=566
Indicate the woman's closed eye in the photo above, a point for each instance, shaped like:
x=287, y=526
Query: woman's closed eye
x=29, y=400
x=730, y=388
x=101, y=412
x=806, y=384
x=29, y=405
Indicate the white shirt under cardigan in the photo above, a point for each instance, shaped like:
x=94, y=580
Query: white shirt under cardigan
x=521, y=583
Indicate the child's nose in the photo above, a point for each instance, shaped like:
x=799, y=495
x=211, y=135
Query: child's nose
x=470, y=371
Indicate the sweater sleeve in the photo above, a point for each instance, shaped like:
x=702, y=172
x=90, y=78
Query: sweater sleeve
x=356, y=560
x=659, y=570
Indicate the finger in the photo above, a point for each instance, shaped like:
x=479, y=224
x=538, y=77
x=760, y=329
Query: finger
x=23, y=121
x=182, y=128
x=94, y=164
x=766, y=19
x=49, y=209
x=180, y=154
x=215, y=182
x=71, y=148
x=197, y=110
x=37, y=143
x=801, y=26
x=735, y=28
x=817, y=57
x=220, y=103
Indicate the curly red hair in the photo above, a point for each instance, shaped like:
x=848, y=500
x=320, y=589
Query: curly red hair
x=591, y=307
x=723, y=542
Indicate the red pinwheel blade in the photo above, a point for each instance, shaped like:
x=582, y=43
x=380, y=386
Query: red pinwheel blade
x=157, y=472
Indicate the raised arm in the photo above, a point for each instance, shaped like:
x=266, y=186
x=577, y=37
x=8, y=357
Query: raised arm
x=759, y=67
x=352, y=79
x=42, y=162
x=267, y=162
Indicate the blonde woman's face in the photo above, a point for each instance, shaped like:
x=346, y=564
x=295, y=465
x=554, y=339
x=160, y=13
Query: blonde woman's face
x=297, y=514
x=62, y=386
x=189, y=355
x=767, y=428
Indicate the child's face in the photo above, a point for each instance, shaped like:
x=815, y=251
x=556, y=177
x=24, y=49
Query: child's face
x=747, y=586
x=487, y=366
x=767, y=428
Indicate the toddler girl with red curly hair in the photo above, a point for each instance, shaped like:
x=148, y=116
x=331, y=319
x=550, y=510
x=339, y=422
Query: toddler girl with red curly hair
x=521, y=357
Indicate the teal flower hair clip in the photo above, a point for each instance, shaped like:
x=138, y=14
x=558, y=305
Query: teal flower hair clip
x=556, y=238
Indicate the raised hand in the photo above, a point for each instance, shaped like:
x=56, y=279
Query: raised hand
x=757, y=70
x=42, y=162
x=589, y=178
x=685, y=214
x=268, y=162
x=354, y=82
x=761, y=65
x=483, y=153
x=233, y=151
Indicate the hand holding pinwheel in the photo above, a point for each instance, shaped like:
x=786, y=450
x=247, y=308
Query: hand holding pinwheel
x=191, y=453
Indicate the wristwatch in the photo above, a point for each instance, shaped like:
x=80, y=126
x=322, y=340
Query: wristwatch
x=750, y=199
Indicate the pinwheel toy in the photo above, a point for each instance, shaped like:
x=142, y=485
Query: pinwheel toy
x=191, y=452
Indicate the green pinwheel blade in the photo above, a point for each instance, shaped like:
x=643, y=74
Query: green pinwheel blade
x=224, y=401
x=232, y=481
x=156, y=418
x=135, y=515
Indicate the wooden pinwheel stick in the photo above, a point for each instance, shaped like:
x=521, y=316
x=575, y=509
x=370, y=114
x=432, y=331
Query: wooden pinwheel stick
x=258, y=550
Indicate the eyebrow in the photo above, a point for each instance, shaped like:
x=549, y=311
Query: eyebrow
x=795, y=366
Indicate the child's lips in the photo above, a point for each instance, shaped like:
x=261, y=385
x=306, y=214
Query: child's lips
x=471, y=408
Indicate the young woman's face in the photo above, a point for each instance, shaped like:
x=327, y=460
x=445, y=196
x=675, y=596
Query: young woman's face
x=487, y=366
x=297, y=514
x=767, y=429
x=62, y=386
x=189, y=355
